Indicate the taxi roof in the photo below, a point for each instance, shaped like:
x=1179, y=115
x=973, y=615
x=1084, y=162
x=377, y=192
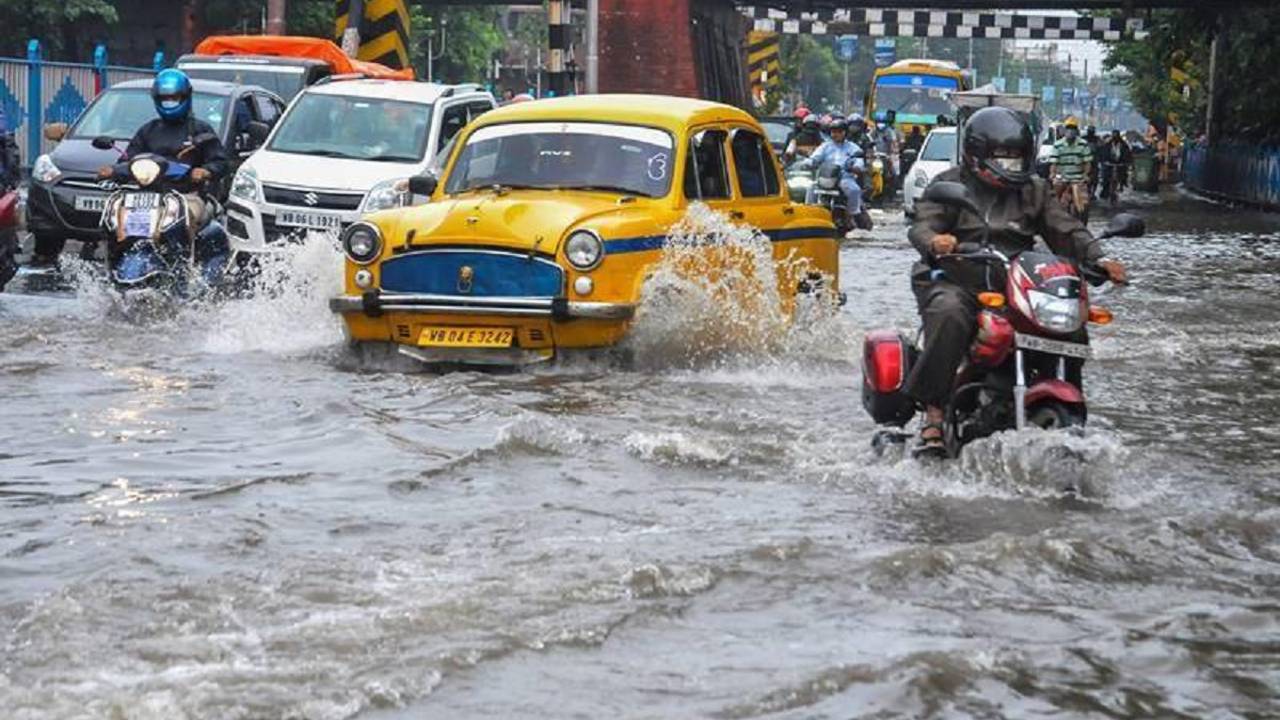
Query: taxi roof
x=662, y=111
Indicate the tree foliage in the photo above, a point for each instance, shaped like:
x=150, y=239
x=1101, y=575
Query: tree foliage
x=66, y=28
x=1179, y=42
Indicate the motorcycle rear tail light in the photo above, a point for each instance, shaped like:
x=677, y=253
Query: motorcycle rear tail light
x=884, y=361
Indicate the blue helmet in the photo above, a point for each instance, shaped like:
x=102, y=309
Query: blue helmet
x=171, y=93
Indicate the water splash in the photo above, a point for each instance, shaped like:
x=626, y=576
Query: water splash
x=713, y=298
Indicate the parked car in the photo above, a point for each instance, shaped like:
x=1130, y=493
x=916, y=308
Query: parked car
x=937, y=154
x=344, y=148
x=65, y=199
x=283, y=64
x=550, y=216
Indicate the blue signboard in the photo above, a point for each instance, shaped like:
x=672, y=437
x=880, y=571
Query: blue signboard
x=1024, y=86
x=1047, y=93
x=998, y=82
x=847, y=47
x=1068, y=95
x=886, y=51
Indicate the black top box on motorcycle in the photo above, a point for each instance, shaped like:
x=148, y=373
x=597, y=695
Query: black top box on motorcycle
x=887, y=357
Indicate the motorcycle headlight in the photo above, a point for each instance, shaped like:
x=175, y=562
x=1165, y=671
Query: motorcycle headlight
x=45, y=171
x=388, y=194
x=245, y=185
x=362, y=243
x=1061, y=315
x=921, y=180
x=877, y=165
x=144, y=171
x=584, y=250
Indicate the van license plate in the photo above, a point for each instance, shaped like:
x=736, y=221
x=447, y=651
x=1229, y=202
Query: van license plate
x=310, y=220
x=1057, y=347
x=477, y=337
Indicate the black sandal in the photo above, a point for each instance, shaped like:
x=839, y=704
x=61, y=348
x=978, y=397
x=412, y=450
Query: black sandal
x=932, y=439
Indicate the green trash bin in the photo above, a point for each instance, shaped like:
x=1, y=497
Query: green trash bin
x=1145, y=176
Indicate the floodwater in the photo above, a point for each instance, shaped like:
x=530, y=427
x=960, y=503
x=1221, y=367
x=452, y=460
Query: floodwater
x=220, y=515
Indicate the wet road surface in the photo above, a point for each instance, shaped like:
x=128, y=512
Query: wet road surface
x=220, y=515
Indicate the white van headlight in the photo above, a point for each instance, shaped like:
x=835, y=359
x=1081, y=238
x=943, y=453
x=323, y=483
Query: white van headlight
x=245, y=185
x=387, y=194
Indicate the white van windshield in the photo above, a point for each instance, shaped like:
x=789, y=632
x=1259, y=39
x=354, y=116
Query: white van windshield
x=358, y=128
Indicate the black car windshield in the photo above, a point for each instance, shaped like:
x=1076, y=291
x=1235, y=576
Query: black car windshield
x=359, y=128
x=283, y=80
x=776, y=130
x=939, y=146
x=566, y=155
x=119, y=112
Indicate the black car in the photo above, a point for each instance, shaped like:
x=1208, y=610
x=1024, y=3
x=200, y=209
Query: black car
x=65, y=199
x=778, y=128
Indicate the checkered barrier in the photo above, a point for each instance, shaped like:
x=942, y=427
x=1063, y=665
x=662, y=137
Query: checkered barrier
x=939, y=23
x=34, y=92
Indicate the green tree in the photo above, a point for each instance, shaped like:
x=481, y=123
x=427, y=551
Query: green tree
x=472, y=36
x=68, y=29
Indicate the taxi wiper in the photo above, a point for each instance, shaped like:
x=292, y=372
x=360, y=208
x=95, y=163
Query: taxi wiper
x=604, y=188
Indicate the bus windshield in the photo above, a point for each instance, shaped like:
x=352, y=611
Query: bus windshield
x=915, y=98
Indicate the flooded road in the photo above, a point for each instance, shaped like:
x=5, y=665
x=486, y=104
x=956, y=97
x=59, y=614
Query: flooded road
x=219, y=516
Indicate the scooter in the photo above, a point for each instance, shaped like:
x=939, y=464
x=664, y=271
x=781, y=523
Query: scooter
x=1024, y=367
x=8, y=235
x=829, y=195
x=149, y=247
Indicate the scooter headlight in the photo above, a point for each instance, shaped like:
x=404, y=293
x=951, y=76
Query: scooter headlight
x=144, y=171
x=1055, y=314
x=362, y=243
x=584, y=250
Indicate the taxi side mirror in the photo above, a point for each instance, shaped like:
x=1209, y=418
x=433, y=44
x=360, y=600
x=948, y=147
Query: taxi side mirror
x=54, y=132
x=424, y=184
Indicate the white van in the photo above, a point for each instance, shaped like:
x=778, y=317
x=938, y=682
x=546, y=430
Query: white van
x=344, y=147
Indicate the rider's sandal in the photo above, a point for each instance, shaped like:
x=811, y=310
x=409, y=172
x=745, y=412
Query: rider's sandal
x=931, y=439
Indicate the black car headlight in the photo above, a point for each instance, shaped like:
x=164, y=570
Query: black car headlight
x=362, y=243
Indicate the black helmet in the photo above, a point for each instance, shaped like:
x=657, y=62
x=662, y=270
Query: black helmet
x=810, y=122
x=999, y=148
x=838, y=123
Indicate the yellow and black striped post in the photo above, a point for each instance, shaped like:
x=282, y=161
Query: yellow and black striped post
x=763, y=65
x=559, y=31
x=383, y=30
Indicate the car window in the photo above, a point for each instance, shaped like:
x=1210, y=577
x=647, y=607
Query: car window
x=705, y=174
x=453, y=120
x=940, y=147
x=119, y=112
x=478, y=108
x=283, y=80
x=753, y=165
x=268, y=110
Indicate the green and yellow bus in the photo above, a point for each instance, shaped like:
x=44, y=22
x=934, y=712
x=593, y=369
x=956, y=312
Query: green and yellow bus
x=917, y=91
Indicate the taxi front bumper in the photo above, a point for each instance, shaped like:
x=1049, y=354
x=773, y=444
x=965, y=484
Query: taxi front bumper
x=374, y=304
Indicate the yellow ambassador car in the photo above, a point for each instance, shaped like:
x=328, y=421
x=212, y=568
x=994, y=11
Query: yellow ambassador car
x=549, y=216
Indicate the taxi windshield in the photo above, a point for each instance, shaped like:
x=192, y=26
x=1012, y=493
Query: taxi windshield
x=566, y=155
x=356, y=128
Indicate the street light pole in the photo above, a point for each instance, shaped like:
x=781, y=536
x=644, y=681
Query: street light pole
x=275, y=17
x=593, y=46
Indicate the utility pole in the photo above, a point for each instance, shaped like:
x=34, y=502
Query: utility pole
x=351, y=35
x=1215, y=65
x=593, y=46
x=432, y=56
x=275, y=17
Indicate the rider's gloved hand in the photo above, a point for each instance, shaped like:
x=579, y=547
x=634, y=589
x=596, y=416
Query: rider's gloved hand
x=199, y=175
x=942, y=244
x=1115, y=270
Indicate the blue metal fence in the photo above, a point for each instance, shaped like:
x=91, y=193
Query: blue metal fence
x=34, y=92
x=1243, y=173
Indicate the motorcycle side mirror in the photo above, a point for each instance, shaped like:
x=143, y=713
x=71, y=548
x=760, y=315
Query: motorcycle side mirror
x=424, y=184
x=952, y=193
x=103, y=142
x=1125, y=225
x=258, y=132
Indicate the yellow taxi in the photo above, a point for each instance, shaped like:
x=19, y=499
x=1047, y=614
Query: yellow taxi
x=549, y=216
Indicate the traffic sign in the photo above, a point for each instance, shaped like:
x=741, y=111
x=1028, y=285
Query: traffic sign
x=998, y=82
x=1047, y=93
x=886, y=51
x=848, y=47
x=1024, y=86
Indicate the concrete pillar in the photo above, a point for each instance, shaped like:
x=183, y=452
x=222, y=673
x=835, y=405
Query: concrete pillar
x=646, y=46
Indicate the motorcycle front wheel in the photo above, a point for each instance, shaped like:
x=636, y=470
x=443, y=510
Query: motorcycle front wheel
x=1055, y=416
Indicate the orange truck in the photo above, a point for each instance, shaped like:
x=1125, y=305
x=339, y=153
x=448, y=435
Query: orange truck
x=283, y=64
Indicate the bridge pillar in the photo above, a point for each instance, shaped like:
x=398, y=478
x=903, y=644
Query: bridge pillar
x=646, y=46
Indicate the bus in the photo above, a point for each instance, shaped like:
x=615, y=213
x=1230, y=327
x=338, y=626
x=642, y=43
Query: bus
x=916, y=92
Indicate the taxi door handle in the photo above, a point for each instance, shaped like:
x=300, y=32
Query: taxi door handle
x=788, y=211
x=737, y=214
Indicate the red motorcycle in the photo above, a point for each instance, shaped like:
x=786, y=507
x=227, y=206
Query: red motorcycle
x=1024, y=367
x=8, y=235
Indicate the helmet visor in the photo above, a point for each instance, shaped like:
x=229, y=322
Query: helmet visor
x=1010, y=164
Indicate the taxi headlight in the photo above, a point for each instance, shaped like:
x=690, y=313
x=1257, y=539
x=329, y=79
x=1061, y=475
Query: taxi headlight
x=45, y=171
x=245, y=185
x=387, y=194
x=144, y=171
x=1061, y=315
x=362, y=243
x=584, y=250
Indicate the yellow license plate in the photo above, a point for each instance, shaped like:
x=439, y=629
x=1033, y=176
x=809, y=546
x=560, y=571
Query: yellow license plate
x=477, y=337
